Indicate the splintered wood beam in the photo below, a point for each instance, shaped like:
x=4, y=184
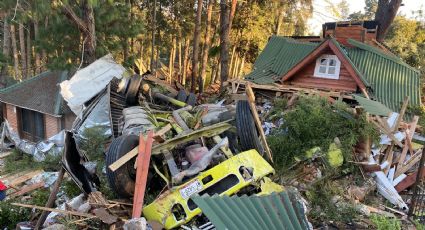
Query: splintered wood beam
x=409, y=136
x=412, y=161
x=55, y=210
x=387, y=132
x=251, y=100
x=401, y=114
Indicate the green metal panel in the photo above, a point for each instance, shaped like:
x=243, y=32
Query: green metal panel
x=390, y=78
x=277, y=58
x=372, y=107
x=275, y=211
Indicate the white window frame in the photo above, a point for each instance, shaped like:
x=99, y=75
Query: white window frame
x=327, y=66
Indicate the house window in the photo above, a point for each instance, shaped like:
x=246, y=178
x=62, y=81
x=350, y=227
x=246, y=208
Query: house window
x=327, y=66
x=32, y=125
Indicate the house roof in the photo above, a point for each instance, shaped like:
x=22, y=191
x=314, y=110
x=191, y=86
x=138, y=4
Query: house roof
x=40, y=93
x=387, y=77
x=274, y=61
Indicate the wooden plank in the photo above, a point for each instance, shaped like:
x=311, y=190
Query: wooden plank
x=143, y=160
x=55, y=210
x=251, y=100
x=401, y=114
x=408, y=181
x=5, y=154
x=23, y=178
x=412, y=161
x=386, y=132
x=409, y=135
x=27, y=189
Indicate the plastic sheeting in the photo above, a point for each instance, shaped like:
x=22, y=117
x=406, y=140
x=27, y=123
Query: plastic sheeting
x=52, y=146
x=89, y=81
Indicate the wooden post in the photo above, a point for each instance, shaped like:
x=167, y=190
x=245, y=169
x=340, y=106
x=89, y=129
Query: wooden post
x=251, y=100
x=143, y=160
x=51, y=200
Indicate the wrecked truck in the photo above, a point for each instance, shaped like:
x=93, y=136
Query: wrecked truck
x=198, y=149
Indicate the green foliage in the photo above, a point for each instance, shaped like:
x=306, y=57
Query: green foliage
x=70, y=188
x=369, y=11
x=314, y=122
x=385, y=223
x=406, y=37
x=94, y=142
x=10, y=215
x=19, y=161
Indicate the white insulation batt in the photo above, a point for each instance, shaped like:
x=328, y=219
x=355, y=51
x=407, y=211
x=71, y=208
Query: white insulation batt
x=89, y=81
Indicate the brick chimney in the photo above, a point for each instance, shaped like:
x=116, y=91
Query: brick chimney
x=363, y=31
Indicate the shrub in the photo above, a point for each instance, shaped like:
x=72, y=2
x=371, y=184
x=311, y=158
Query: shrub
x=385, y=223
x=314, y=122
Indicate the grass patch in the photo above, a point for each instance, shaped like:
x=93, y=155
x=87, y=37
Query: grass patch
x=19, y=162
x=385, y=223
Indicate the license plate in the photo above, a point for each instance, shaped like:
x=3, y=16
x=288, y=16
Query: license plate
x=191, y=189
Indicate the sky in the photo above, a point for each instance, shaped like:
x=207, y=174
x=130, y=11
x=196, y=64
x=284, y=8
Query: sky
x=321, y=13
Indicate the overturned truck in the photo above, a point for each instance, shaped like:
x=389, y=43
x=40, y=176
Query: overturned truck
x=198, y=149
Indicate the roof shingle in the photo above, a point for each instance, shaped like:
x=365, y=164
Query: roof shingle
x=40, y=93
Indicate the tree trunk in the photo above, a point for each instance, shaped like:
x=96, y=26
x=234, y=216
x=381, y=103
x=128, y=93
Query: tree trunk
x=224, y=42
x=232, y=61
x=44, y=58
x=240, y=72
x=185, y=61
x=15, y=52
x=153, y=36
x=22, y=50
x=6, y=49
x=37, y=55
x=232, y=13
x=385, y=14
x=180, y=53
x=29, y=52
x=207, y=46
x=196, y=35
x=90, y=34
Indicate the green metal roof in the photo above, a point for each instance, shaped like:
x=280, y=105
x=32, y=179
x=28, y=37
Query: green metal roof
x=275, y=211
x=391, y=79
x=277, y=58
x=372, y=107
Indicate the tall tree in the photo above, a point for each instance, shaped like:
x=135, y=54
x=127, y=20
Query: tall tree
x=207, y=45
x=196, y=35
x=224, y=42
x=15, y=51
x=86, y=25
x=385, y=14
x=6, y=48
x=22, y=52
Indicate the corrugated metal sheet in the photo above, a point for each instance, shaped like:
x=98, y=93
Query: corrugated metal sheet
x=277, y=58
x=372, y=107
x=390, y=78
x=275, y=211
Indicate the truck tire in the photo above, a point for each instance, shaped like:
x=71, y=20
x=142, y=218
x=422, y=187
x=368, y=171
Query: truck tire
x=123, y=179
x=132, y=95
x=247, y=131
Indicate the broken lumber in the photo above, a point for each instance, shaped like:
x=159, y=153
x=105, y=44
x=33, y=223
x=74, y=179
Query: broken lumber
x=21, y=179
x=401, y=114
x=27, y=189
x=51, y=200
x=208, y=131
x=412, y=161
x=143, y=160
x=251, y=100
x=74, y=213
x=409, y=137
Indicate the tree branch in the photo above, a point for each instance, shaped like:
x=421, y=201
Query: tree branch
x=73, y=16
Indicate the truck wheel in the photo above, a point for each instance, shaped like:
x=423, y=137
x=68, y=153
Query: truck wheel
x=132, y=95
x=123, y=179
x=246, y=129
